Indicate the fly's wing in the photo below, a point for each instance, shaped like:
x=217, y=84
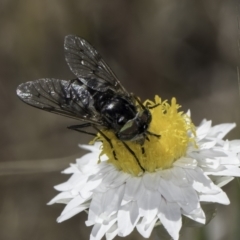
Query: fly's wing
x=89, y=67
x=68, y=98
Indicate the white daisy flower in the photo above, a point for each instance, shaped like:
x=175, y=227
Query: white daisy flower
x=185, y=166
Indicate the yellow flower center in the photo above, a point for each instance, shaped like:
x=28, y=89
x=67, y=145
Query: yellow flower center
x=156, y=153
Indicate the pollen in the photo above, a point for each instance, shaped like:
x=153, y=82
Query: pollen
x=174, y=128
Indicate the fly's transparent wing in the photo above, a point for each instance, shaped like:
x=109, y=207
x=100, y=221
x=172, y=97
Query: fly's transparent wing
x=89, y=67
x=68, y=98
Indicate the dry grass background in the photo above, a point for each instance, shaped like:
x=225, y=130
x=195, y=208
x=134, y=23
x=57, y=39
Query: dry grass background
x=186, y=49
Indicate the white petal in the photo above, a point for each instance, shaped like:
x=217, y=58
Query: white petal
x=63, y=197
x=185, y=162
x=222, y=181
x=134, y=212
x=190, y=199
x=97, y=176
x=102, y=188
x=209, y=163
x=168, y=190
x=197, y=215
x=165, y=174
x=221, y=130
x=87, y=160
x=112, y=199
x=200, y=182
x=72, y=213
x=203, y=130
x=148, y=205
x=95, y=209
x=221, y=197
x=134, y=190
x=197, y=175
x=72, y=169
x=234, y=145
x=63, y=186
x=231, y=159
x=179, y=177
x=112, y=232
x=107, y=179
x=128, y=216
x=85, y=194
x=75, y=202
x=151, y=180
x=207, y=153
x=110, y=177
x=206, y=145
x=186, y=197
x=146, y=230
x=92, y=148
x=73, y=181
x=119, y=179
x=170, y=216
x=235, y=172
x=91, y=185
x=188, y=113
x=100, y=229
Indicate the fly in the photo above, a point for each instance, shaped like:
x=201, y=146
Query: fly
x=95, y=97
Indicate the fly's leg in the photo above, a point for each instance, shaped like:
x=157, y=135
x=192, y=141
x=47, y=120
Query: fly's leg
x=108, y=140
x=84, y=125
x=153, y=106
x=134, y=155
x=138, y=101
x=141, y=104
x=154, y=134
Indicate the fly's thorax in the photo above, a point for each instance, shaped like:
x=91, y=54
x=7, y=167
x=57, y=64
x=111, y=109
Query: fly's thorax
x=117, y=111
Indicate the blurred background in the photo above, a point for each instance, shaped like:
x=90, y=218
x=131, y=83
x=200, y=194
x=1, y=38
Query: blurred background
x=187, y=49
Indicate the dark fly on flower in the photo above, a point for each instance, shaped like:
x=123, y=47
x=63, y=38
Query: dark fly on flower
x=96, y=96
